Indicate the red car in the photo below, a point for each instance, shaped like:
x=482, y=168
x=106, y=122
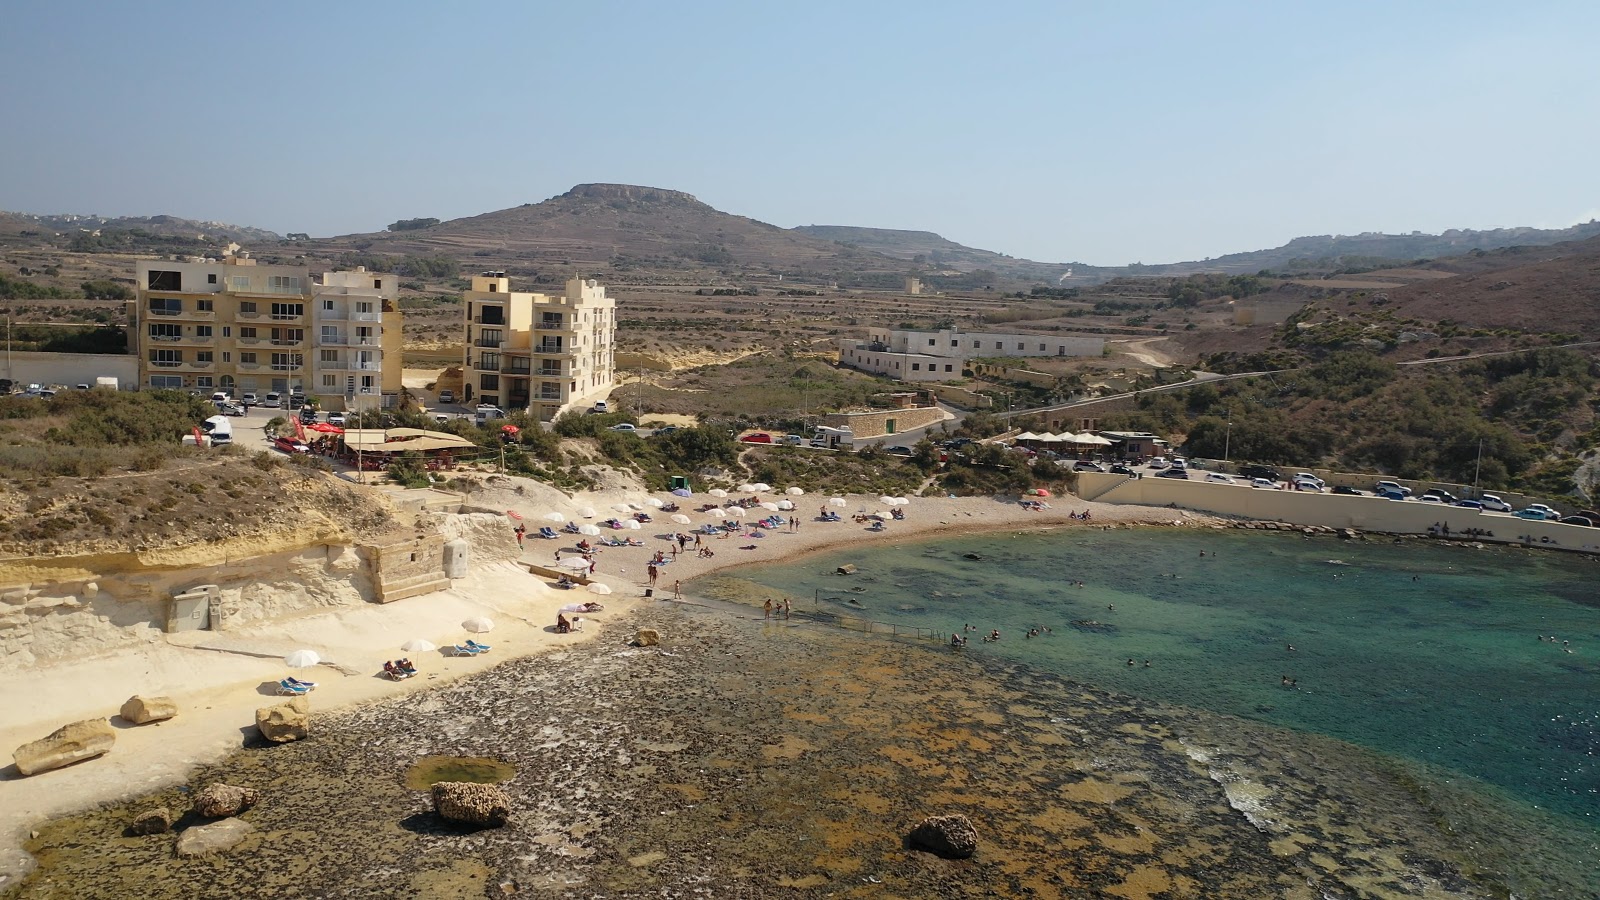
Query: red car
x=290, y=445
x=757, y=437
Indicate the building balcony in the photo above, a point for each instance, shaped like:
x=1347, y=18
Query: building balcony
x=550, y=349
x=551, y=373
x=489, y=344
x=190, y=365
x=164, y=338
x=166, y=363
x=164, y=312
x=241, y=314
x=547, y=398
x=285, y=342
x=248, y=367
x=286, y=317
x=498, y=321
x=555, y=325
x=202, y=315
x=365, y=317
x=286, y=367
x=249, y=342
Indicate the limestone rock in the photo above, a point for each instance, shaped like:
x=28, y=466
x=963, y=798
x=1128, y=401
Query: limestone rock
x=846, y=569
x=142, y=710
x=65, y=746
x=474, y=804
x=152, y=821
x=647, y=637
x=285, y=722
x=203, y=839
x=951, y=837
x=218, y=800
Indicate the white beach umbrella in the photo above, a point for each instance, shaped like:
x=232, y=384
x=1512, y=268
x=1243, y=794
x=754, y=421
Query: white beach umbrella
x=636, y=507
x=573, y=608
x=882, y=514
x=631, y=524
x=795, y=492
x=575, y=563
x=760, y=486
x=886, y=501
x=679, y=519
x=622, y=508
x=715, y=513
x=478, y=625
x=418, y=645
x=587, y=512
x=300, y=659
x=785, y=505
x=596, y=587
x=736, y=511
x=590, y=530
x=555, y=517
x=717, y=492
x=745, y=488
x=899, y=501
x=654, y=502
x=773, y=507
x=838, y=501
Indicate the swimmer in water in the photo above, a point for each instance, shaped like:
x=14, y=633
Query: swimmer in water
x=1130, y=661
x=1111, y=606
x=1147, y=664
x=1290, y=647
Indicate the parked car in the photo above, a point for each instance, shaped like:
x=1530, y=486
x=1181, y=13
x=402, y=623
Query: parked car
x=665, y=429
x=485, y=412
x=296, y=400
x=625, y=426
x=250, y=399
x=307, y=415
x=1173, y=473
x=1537, y=515
x=1490, y=501
x=1310, y=478
x=1179, y=462
x=290, y=445
x=273, y=400
x=1264, y=483
x=1159, y=462
x=1314, y=485
x=1266, y=472
x=1219, y=478
x=794, y=440
x=892, y=451
x=336, y=419
x=1392, y=486
x=757, y=437
x=1347, y=491
x=1084, y=465
x=1585, y=521
x=1468, y=504
x=1120, y=469
x=1548, y=511
x=220, y=397
x=1389, y=494
x=601, y=406
x=447, y=396
x=231, y=408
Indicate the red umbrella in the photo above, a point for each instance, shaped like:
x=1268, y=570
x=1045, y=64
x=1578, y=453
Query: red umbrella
x=325, y=428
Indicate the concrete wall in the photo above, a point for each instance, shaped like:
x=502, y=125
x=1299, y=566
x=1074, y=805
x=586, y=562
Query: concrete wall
x=68, y=369
x=1331, y=510
x=960, y=396
x=1013, y=373
x=874, y=424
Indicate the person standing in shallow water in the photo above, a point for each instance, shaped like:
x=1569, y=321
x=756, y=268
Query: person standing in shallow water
x=786, y=608
x=767, y=608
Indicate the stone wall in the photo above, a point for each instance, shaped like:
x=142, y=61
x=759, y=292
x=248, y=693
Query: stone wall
x=405, y=566
x=874, y=424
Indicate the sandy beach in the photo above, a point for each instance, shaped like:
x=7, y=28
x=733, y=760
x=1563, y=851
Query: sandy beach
x=219, y=678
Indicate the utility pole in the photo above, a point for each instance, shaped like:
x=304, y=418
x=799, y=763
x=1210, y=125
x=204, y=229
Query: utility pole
x=1227, y=438
x=1476, y=469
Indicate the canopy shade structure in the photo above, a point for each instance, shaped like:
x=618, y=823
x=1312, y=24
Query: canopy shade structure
x=575, y=563
x=760, y=487
x=715, y=513
x=654, y=502
x=1026, y=436
x=682, y=492
x=399, y=440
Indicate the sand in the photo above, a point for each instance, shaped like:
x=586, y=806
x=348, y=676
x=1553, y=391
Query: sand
x=220, y=678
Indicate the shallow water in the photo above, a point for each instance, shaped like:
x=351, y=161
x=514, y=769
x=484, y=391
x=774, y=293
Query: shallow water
x=1427, y=654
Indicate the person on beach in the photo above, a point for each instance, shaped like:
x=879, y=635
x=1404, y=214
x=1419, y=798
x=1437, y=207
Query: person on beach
x=786, y=608
x=767, y=608
x=651, y=572
x=676, y=594
x=562, y=625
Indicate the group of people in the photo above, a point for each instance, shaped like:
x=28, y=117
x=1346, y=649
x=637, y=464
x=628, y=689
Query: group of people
x=782, y=608
x=565, y=625
x=399, y=669
x=1565, y=645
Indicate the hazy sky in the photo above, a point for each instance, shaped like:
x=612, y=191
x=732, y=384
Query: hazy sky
x=1107, y=133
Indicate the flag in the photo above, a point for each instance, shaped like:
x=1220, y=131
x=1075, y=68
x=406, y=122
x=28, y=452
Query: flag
x=199, y=439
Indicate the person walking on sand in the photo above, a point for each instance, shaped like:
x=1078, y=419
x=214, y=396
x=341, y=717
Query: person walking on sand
x=767, y=608
x=676, y=594
x=786, y=608
x=651, y=571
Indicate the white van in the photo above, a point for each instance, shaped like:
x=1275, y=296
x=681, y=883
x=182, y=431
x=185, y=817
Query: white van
x=485, y=413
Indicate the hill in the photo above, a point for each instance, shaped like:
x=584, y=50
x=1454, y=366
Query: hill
x=926, y=249
x=66, y=225
x=1559, y=294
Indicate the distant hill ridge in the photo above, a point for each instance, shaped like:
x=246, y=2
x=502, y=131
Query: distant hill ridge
x=162, y=224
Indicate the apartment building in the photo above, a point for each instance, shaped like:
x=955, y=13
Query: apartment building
x=941, y=355
x=235, y=326
x=537, y=353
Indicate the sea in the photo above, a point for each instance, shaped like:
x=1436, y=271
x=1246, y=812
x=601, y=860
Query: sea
x=1467, y=677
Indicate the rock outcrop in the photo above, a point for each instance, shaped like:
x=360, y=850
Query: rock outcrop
x=285, y=722
x=144, y=710
x=218, y=800
x=647, y=637
x=474, y=804
x=152, y=821
x=216, y=837
x=65, y=746
x=951, y=837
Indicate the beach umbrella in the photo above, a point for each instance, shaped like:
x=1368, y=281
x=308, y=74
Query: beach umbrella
x=719, y=493
x=785, y=505
x=838, y=501
x=795, y=492
x=631, y=524
x=636, y=507
x=587, y=512
x=679, y=519
x=300, y=659
x=682, y=492
x=760, y=486
x=654, y=502
x=773, y=507
x=736, y=511
x=886, y=501
x=714, y=513
x=596, y=587
x=478, y=625
x=418, y=645
x=900, y=501
x=745, y=488
x=622, y=508
x=575, y=607
x=883, y=514
x=590, y=530
x=575, y=563
x=555, y=517
x=1041, y=492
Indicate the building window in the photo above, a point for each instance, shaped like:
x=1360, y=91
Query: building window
x=997, y=346
x=288, y=310
x=363, y=306
x=227, y=331
x=164, y=281
x=211, y=278
x=377, y=284
x=226, y=356
x=288, y=336
x=248, y=359
x=284, y=362
x=1041, y=348
x=165, y=306
x=283, y=284
x=160, y=331
x=931, y=340
x=247, y=306
x=330, y=381
x=202, y=331
x=487, y=382
x=204, y=306
x=240, y=283
x=203, y=381
x=947, y=368
x=916, y=367
x=489, y=361
x=491, y=315
x=172, y=382
x=330, y=356
x=166, y=359
x=204, y=356
x=327, y=306
x=247, y=331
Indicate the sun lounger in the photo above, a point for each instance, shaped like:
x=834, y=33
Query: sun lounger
x=476, y=647
x=458, y=650
x=294, y=690
x=308, y=685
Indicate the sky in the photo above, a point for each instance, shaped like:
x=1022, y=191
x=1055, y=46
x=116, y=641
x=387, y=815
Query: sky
x=1103, y=133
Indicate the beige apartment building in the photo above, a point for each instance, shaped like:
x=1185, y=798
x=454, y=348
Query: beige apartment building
x=533, y=352
x=235, y=326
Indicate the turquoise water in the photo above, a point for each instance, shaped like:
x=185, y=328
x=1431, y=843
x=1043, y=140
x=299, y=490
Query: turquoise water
x=1429, y=653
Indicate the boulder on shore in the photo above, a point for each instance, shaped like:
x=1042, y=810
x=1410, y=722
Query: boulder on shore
x=647, y=637
x=144, y=710
x=474, y=804
x=218, y=800
x=203, y=839
x=65, y=746
x=285, y=722
x=846, y=569
x=152, y=821
x=951, y=837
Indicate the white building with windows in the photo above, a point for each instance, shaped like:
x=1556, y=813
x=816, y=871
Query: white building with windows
x=533, y=352
x=940, y=355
